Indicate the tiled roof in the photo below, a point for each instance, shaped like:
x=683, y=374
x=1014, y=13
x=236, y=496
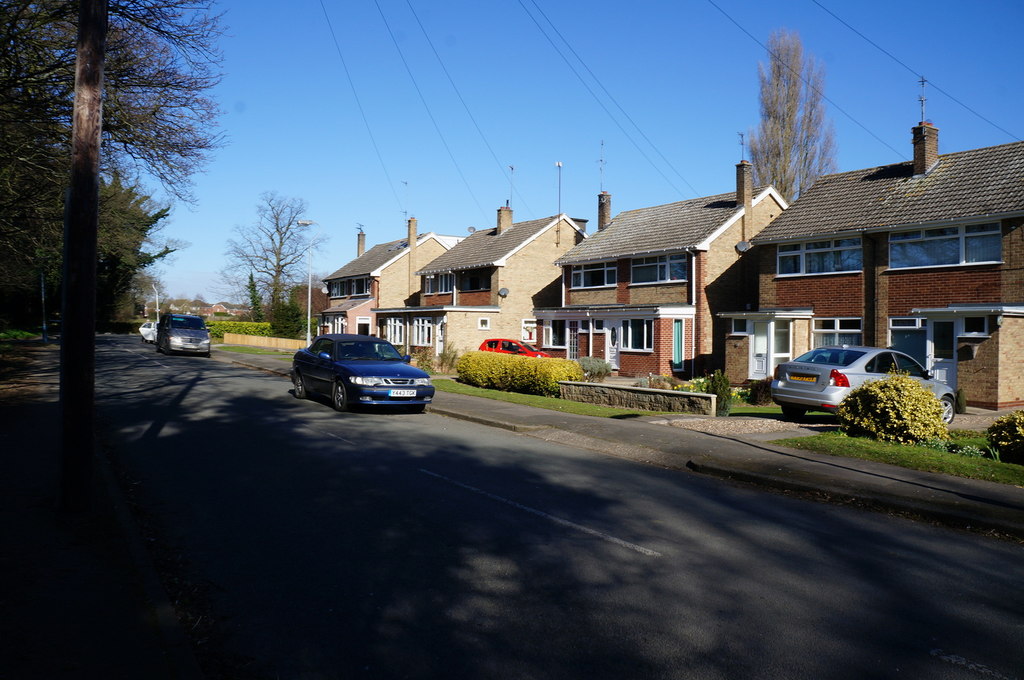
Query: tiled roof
x=673, y=226
x=486, y=247
x=381, y=254
x=963, y=185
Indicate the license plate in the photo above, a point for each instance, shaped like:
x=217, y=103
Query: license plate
x=403, y=393
x=803, y=378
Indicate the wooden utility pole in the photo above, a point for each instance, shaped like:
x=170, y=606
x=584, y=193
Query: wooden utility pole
x=81, y=221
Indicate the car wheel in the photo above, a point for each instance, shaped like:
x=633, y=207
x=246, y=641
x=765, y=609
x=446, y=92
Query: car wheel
x=793, y=412
x=299, y=385
x=948, y=409
x=339, y=400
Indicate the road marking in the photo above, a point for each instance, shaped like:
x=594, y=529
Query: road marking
x=540, y=513
x=331, y=434
x=144, y=356
x=957, y=660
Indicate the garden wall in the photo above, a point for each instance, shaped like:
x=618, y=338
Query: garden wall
x=640, y=398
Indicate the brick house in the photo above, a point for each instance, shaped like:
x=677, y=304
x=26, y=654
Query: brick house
x=643, y=291
x=926, y=256
x=486, y=286
x=380, y=277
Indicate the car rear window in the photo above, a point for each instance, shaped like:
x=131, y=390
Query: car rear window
x=834, y=356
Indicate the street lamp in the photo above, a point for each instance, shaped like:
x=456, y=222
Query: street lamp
x=156, y=297
x=309, y=280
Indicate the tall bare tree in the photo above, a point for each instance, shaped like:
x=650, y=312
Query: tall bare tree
x=794, y=143
x=273, y=250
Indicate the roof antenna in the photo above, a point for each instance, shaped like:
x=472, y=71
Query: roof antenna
x=600, y=167
x=359, y=227
x=558, y=164
x=743, y=147
x=511, y=183
x=921, y=98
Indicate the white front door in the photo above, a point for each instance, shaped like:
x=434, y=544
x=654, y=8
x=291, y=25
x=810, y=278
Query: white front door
x=612, y=345
x=942, y=351
x=759, y=351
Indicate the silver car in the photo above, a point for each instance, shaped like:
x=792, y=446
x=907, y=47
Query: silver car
x=821, y=378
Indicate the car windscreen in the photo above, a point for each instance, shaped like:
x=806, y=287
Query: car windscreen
x=364, y=350
x=191, y=323
x=835, y=356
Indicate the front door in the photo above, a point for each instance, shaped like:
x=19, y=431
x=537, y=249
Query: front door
x=677, y=345
x=612, y=346
x=759, y=351
x=942, y=351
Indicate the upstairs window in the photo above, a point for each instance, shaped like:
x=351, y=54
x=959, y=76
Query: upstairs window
x=821, y=257
x=438, y=283
x=593, y=275
x=349, y=287
x=659, y=269
x=963, y=244
x=475, y=279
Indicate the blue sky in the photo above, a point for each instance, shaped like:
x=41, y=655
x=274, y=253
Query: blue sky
x=356, y=113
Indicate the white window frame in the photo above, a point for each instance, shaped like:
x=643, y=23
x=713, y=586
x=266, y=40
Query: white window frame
x=439, y=283
x=663, y=268
x=629, y=337
x=549, y=333
x=836, y=326
x=528, y=333
x=422, y=331
x=964, y=234
x=808, y=251
x=394, y=330
x=483, y=323
x=608, y=272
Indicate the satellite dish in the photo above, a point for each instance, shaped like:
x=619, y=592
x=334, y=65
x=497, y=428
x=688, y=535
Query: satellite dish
x=743, y=246
x=470, y=229
x=503, y=292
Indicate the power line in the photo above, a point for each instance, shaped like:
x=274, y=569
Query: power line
x=916, y=73
x=601, y=103
x=610, y=97
x=430, y=114
x=359, y=105
x=465, y=106
x=806, y=82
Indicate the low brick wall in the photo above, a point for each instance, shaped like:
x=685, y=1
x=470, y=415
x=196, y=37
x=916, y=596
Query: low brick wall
x=640, y=398
x=256, y=341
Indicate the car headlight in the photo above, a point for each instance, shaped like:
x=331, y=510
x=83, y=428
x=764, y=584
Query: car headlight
x=366, y=381
x=421, y=381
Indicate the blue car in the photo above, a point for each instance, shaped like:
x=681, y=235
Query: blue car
x=359, y=369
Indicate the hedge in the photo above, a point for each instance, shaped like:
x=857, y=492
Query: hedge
x=257, y=328
x=513, y=373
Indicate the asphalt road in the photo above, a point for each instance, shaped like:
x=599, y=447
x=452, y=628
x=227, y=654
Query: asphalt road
x=394, y=545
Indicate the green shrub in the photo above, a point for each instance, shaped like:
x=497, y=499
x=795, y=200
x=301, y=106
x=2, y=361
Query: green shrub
x=513, y=373
x=424, y=358
x=288, y=320
x=447, y=359
x=896, y=409
x=961, y=401
x=1006, y=436
x=719, y=385
x=219, y=328
x=760, y=392
x=594, y=369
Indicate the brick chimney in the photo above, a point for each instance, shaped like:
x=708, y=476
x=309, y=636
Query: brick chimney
x=926, y=147
x=745, y=194
x=360, y=243
x=504, y=219
x=604, y=210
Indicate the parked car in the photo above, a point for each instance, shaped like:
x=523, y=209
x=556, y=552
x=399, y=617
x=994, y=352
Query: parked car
x=359, y=369
x=182, y=333
x=506, y=346
x=148, y=331
x=820, y=379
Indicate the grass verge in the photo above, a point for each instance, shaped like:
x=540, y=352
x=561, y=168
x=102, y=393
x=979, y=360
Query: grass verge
x=239, y=349
x=913, y=457
x=549, y=403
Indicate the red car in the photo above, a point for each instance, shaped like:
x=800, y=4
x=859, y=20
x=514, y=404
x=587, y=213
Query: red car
x=506, y=346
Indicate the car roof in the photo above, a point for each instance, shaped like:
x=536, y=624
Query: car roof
x=350, y=337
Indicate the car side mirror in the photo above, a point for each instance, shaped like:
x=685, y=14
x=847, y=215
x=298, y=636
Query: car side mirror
x=407, y=358
x=325, y=355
